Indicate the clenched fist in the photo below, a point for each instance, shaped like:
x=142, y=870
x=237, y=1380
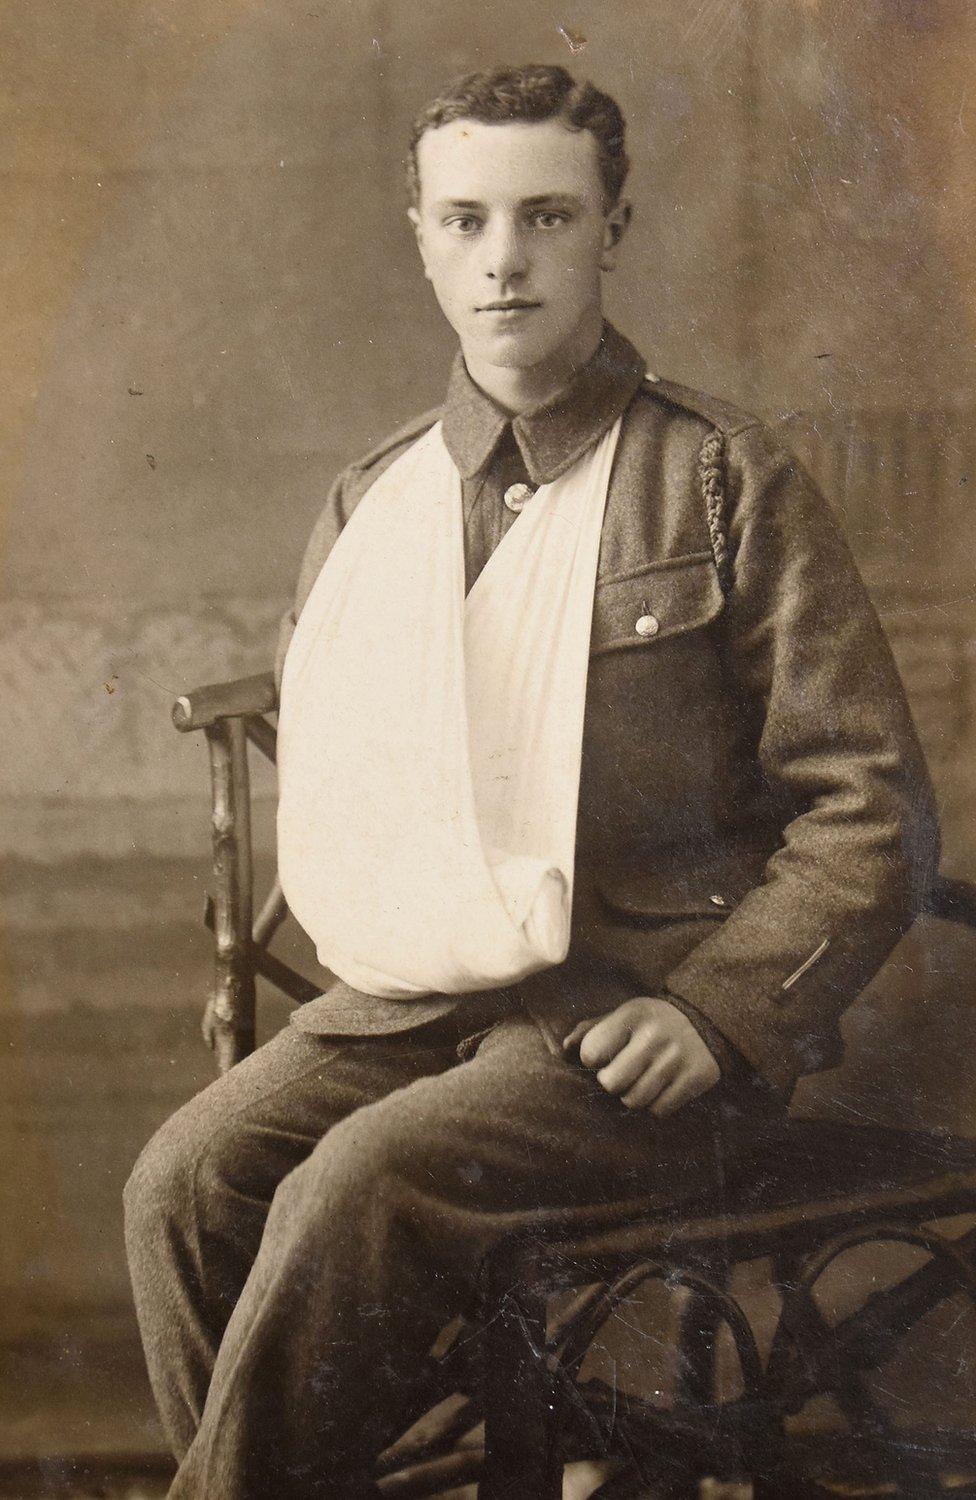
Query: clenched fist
x=648, y=1053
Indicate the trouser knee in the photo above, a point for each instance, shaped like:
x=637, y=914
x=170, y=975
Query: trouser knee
x=159, y=1189
x=198, y=1185
x=185, y=1172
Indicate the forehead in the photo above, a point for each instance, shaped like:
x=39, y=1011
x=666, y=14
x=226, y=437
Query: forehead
x=472, y=161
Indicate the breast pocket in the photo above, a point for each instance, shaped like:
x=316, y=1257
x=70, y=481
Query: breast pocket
x=640, y=610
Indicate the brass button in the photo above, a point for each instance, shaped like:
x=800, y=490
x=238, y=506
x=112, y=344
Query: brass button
x=718, y=900
x=517, y=496
x=647, y=625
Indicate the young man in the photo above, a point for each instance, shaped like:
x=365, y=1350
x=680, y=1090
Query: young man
x=599, y=794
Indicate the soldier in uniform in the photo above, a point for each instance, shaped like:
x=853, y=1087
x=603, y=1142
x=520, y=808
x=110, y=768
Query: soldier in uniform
x=753, y=831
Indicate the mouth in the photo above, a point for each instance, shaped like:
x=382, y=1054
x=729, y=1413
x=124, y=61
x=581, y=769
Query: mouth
x=510, y=305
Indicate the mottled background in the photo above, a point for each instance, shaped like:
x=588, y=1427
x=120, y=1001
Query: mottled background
x=210, y=302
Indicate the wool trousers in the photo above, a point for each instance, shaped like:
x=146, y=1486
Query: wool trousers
x=301, y=1231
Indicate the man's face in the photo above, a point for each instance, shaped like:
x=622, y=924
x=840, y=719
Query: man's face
x=512, y=233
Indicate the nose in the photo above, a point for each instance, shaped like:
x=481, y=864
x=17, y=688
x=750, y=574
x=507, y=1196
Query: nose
x=504, y=249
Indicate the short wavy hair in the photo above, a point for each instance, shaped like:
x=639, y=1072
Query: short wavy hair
x=530, y=93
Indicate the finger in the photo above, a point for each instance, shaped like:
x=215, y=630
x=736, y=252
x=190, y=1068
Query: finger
x=632, y=1062
x=689, y=1085
x=604, y=1040
x=651, y=1084
x=579, y=1031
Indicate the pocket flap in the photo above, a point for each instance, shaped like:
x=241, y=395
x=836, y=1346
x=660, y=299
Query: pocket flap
x=649, y=900
x=640, y=609
x=662, y=889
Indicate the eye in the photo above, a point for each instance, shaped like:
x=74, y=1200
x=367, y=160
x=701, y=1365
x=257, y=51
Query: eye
x=462, y=224
x=549, y=218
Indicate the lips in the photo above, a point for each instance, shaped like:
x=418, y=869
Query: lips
x=516, y=305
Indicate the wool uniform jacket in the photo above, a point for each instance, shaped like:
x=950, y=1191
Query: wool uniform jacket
x=756, y=824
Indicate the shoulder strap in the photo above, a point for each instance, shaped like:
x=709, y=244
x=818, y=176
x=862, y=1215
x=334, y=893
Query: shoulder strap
x=711, y=465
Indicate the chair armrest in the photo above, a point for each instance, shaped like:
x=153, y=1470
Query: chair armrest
x=225, y=700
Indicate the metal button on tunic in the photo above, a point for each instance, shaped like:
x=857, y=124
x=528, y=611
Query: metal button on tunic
x=517, y=496
x=647, y=625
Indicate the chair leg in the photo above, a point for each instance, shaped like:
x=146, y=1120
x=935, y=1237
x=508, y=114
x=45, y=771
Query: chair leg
x=695, y=1385
x=522, y=1438
x=700, y=1323
x=231, y=1008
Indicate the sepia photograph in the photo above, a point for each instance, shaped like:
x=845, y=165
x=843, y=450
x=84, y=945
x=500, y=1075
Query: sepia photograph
x=488, y=832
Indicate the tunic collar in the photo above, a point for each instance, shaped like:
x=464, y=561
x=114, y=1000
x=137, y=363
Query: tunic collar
x=553, y=437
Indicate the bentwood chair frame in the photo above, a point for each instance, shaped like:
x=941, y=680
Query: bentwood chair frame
x=832, y=1188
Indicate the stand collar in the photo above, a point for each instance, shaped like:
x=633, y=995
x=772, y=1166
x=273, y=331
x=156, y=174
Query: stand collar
x=550, y=438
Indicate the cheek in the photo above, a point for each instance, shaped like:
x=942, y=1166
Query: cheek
x=447, y=270
x=574, y=266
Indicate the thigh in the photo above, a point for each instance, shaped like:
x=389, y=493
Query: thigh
x=519, y=1130
x=252, y=1126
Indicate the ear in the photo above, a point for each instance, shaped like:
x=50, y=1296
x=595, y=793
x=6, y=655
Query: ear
x=614, y=228
x=413, y=214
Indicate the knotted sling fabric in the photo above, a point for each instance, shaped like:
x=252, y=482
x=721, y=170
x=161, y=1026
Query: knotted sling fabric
x=429, y=744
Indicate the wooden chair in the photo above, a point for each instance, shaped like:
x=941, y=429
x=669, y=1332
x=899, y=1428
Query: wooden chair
x=817, y=1192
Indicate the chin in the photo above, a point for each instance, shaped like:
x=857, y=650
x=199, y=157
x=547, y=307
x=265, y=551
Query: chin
x=514, y=353
x=507, y=358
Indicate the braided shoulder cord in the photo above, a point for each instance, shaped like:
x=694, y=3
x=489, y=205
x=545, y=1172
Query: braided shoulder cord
x=711, y=472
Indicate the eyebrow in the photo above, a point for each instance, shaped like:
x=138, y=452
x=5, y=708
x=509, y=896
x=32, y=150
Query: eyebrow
x=566, y=200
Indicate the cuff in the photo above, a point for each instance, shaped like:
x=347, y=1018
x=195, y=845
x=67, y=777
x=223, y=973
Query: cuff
x=729, y=1058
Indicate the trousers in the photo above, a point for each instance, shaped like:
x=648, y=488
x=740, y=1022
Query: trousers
x=300, y=1232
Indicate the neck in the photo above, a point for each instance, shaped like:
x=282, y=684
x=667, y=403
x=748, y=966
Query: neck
x=525, y=389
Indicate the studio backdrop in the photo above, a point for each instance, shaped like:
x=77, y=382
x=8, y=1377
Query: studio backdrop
x=212, y=302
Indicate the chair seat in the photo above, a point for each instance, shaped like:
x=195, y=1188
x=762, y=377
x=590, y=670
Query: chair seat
x=806, y=1179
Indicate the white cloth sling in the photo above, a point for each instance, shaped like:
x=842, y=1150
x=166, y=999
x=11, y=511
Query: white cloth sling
x=429, y=745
